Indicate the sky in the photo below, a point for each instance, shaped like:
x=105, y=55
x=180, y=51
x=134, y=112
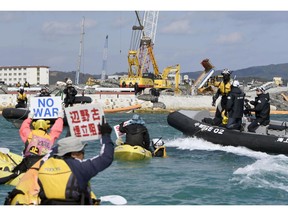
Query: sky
x=233, y=37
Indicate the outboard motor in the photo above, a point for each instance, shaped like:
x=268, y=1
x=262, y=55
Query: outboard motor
x=159, y=148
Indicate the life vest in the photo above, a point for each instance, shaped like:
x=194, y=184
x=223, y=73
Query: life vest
x=58, y=182
x=21, y=97
x=34, y=187
x=38, y=143
x=224, y=88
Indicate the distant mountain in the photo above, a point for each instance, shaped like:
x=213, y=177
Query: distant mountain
x=62, y=76
x=261, y=73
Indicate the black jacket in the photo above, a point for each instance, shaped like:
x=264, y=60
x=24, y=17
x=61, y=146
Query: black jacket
x=262, y=106
x=235, y=103
x=136, y=135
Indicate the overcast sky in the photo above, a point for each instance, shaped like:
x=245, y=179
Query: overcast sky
x=233, y=40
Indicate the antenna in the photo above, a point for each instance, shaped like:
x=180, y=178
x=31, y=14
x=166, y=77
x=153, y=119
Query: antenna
x=80, y=52
x=105, y=55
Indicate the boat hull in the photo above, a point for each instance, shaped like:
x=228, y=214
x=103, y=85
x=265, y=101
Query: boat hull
x=131, y=153
x=190, y=124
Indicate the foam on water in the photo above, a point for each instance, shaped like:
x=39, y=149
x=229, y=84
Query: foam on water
x=267, y=171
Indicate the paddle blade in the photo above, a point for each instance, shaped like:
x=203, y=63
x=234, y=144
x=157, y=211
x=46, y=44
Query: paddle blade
x=114, y=199
x=4, y=150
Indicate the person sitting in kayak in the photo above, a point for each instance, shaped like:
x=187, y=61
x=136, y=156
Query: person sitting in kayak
x=64, y=175
x=38, y=142
x=21, y=99
x=223, y=90
x=136, y=132
x=261, y=108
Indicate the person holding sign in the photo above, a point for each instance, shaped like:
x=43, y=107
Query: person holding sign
x=38, y=141
x=76, y=172
x=136, y=132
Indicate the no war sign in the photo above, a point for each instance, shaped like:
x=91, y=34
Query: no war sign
x=45, y=107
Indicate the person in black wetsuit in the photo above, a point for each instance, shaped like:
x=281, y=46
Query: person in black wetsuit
x=261, y=108
x=235, y=106
x=136, y=132
x=70, y=92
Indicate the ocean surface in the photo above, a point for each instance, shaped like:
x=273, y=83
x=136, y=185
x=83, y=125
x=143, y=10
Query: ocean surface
x=195, y=172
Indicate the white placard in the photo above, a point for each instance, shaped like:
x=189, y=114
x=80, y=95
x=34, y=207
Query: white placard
x=83, y=120
x=45, y=107
x=116, y=129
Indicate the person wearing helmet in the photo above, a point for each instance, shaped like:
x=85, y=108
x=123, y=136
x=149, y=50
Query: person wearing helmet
x=38, y=142
x=235, y=106
x=44, y=92
x=70, y=92
x=136, y=132
x=261, y=108
x=21, y=98
x=223, y=90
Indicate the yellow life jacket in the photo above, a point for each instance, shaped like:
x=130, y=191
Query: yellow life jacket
x=38, y=143
x=55, y=175
x=224, y=88
x=224, y=118
x=21, y=97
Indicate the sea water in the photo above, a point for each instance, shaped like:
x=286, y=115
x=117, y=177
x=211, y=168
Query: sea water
x=195, y=172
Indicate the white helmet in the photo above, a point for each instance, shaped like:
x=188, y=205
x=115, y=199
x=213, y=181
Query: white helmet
x=236, y=83
x=226, y=72
x=69, y=82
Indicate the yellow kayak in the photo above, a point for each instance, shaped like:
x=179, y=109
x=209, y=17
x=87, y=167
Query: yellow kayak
x=8, y=161
x=131, y=153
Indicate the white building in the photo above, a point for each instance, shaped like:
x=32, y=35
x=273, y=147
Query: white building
x=34, y=75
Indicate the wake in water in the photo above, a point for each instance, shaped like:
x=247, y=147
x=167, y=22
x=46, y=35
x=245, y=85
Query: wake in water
x=268, y=171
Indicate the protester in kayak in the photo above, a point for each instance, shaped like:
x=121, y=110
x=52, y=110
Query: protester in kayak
x=235, y=106
x=38, y=142
x=223, y=90
x=261, y=108
x=69, y=185
x=70, y=92
x=21, y=99
x=136, y=132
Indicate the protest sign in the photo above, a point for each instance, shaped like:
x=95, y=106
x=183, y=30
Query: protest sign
x=45, y=107
x=83, y=120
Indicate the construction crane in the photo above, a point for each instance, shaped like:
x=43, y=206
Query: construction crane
x=139, y=60
x=105, y=55
x=143, y=37
x=80, y=52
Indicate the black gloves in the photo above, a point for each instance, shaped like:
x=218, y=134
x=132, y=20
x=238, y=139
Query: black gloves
x=214, y=100
x=105, y=128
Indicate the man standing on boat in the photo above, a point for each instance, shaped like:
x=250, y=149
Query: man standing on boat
x=70, y=92
x=261, y=109
x=223, y=89
x=21, y=99
x=235, y=106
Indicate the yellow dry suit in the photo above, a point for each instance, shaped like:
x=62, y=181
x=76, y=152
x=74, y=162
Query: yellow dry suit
x=59, y=185
x=224, y=88
x=38, y=143
x=21, y=97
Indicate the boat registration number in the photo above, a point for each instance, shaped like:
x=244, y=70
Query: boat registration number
x=210, y=129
